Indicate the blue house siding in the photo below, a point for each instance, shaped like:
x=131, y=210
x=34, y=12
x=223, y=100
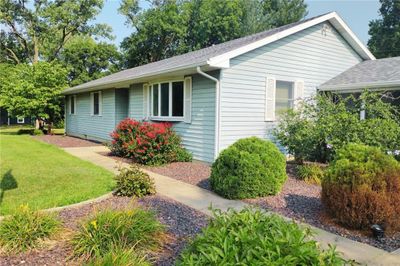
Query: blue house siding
x=121, y=104
x=83, y=124
x=197, y=136
x=309, y=55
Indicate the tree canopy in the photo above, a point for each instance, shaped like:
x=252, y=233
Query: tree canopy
x=173, y=27
x=385, y=31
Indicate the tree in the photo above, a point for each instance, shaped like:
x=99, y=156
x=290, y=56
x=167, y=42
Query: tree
x=39, y=30
x=87, y=60
x=385, y=32
x=173, y=27
x=33, y=90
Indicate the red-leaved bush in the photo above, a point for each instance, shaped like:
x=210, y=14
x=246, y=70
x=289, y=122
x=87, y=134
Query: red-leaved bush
x=148, y=143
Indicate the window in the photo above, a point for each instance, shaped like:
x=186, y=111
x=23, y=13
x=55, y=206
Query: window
x=20, y=120
x=284, y=96
x=72, y=104
x=167, y=99
x=96, y=103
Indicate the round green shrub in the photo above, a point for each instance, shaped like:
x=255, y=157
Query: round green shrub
x=362, y=188
x=249, y=168
x=133, y=182
x=253, y=237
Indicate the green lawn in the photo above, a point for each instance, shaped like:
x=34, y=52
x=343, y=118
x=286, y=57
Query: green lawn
x=44, y=176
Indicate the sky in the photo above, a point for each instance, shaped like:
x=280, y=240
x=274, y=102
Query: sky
x=356, y=13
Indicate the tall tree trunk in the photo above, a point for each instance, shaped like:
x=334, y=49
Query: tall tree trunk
x=36, y=50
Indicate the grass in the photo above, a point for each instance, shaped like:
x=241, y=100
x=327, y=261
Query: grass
x=44, y=176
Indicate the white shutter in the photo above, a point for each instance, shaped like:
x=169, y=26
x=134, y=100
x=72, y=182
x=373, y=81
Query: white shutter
x=187, y=107
x=270, y=91
x=298, y=93
x=100, y=104
x=91, y=103
x=146, y=102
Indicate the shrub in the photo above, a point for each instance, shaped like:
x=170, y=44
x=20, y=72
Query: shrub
x=148, y=143
x=30, y=131
x=110, y=229
x=25, y=228
x=325, y=123
x=253, y=237
x=120, y=257
x=362, y=187
x=310, y=173
x=133, y=182
x=249, y=168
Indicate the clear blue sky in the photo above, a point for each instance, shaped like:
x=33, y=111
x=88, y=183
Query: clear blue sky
x=356, y=13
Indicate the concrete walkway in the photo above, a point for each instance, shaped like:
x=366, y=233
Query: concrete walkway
x=201, y=199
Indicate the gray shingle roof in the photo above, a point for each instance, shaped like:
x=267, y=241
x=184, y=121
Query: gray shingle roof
x=198, y=57
x=367, y=74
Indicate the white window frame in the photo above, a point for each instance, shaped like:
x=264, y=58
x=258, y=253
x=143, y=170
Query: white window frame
x=72, y=98
x=169, y=117
x=292, y=100
x=92, y=103
x=20, y=120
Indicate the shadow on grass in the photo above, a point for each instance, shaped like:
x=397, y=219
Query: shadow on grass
x=7, y=182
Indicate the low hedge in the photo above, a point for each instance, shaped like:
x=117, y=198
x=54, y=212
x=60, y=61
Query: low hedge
x=249, y=168
x=362, y=188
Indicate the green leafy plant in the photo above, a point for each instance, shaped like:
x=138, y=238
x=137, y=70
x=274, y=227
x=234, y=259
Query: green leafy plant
x=310, y=173
x=325, y=123
x=120, y=257
x=148, y=143
x=108, y=229
x=253, y=237
x=133, y=182
x=249, y=168
x=362, y=187
x=24, y=229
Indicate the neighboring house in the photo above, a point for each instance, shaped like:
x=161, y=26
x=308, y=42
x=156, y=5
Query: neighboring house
x=374, y=75
x=217, y=95
x=5, y=119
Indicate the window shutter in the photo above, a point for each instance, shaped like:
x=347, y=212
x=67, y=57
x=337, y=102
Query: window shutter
x=146, y=102
x=188, y=100
x=298, y=93
x=91, y=103
x=100, y=103
x=270, y=90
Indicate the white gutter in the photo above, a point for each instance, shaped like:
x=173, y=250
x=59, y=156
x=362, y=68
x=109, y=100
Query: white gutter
x=217, y=109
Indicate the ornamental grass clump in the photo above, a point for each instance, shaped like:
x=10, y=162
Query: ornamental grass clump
x=109, y=229
x=25, y=229
x=120, y=257
x=311, y=173
x=148, y=143
x=133, y=182
x=362, y=188
x=249, y=168
x=253, y=237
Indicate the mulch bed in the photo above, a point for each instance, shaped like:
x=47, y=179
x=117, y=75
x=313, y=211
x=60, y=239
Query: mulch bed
x=182, y=224
x=67, y=141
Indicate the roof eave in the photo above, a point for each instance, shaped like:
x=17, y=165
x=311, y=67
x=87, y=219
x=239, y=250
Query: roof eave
x=379, y=85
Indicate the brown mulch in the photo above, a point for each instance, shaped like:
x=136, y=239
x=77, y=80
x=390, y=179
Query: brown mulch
x=182, y=224
x=66, y=141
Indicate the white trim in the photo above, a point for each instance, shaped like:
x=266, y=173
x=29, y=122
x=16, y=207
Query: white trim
x=19, y=122
x=332, y=17
x=217, y=110
x=361, y=85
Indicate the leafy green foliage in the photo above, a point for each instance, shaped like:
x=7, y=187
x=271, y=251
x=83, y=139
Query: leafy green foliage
x=362, y=187
x=30, y=131
x=170, y=28
x=110, y=229
x=385, y=31
x=253, y=237
x=134, y=182
x=310, y=173
x=327, y=122
x=87, y=60
x=249, y=168
x=33, y=90
x=120, y=257
x=25, y=228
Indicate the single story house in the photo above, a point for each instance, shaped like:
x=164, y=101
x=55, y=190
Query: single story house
x=217, y=95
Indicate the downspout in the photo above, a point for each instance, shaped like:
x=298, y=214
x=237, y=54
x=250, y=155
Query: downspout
x=217, y=109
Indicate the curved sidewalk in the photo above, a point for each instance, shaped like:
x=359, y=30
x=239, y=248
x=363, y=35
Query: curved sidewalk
x=201, y=199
